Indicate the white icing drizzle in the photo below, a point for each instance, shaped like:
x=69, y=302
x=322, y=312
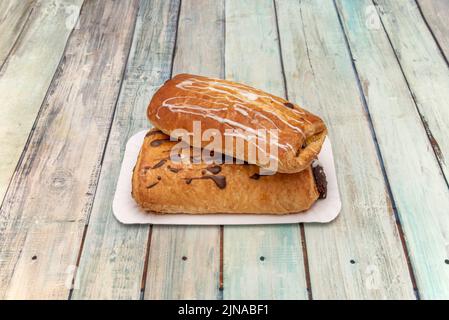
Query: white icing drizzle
x=249, y=95
x=237, y=97
x=250, y=141
x=239, y=108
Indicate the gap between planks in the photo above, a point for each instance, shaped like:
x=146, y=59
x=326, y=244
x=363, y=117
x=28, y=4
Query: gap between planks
x=261, y=261
x=53, y=290
x=375, y=58
x=150, y=233
x=145, y=266
x=192, y=56
x=80, y=251
x=83, y=238
x=379, y=153
x=421, y=55
x=45, y=92
x=433, y=142
x=301, y=225
x=320, y=74
x=111, y=246
x=443, y=54
x=409, y=67
x=435, y=147
x=19, y=35
x=55, y=75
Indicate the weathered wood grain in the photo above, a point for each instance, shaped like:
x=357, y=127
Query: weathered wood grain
x=113, y=256
x=43, y=216
x=425, y=69
x=13, y=16
x=26, y=76
x=358, y=256
x=260, y=262
x=436, y=14
x=409, y=161
x=184, y=261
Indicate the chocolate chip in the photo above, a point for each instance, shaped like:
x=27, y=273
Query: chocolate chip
x=159, y=164
x=175, y=170
x=152, y=185
x=33, y=257
x=289, y=105
x=320, y=180
x=159, y=178
x=214, y=169
x=220, y=181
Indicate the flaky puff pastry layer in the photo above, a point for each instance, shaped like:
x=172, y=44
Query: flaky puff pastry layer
x=221, y=105
x=162, y=186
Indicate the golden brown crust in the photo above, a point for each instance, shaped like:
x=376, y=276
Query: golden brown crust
x=162, y=186
x=222, y=105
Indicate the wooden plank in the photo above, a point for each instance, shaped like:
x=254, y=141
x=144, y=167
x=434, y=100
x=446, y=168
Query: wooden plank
x=260, y=262
x=425, y=69
x=184, y=261
x=43, y=216
x=409, y=161
x=358, y=256
x=26, y=76
x=112, y=261
x=13, y=16
x=436, y=14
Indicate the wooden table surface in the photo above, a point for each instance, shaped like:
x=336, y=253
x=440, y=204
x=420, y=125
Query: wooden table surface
x=75, y=80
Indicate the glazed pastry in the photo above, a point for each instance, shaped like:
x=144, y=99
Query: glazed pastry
x=225, y=105
x=162, y=186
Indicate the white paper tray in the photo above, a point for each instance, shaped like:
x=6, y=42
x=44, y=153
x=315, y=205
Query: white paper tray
x=127, y=211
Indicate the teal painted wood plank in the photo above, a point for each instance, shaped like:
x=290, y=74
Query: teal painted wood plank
x=184, y=261
x=409, y=161
x=26, y=76
x=113, y=256
x=359, y=255
x=436, y=14
x=425, y=69
x=260, y=262
x=43, y=216
x=13, y=17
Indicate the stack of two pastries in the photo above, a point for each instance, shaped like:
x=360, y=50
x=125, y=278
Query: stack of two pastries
x=162, y=184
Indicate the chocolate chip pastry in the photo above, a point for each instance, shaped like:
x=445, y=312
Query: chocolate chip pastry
x=163, y=186
x=222, y=105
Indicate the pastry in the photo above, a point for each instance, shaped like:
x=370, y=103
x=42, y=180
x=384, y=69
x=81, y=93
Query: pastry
x=162, y=185
x=225, y=105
